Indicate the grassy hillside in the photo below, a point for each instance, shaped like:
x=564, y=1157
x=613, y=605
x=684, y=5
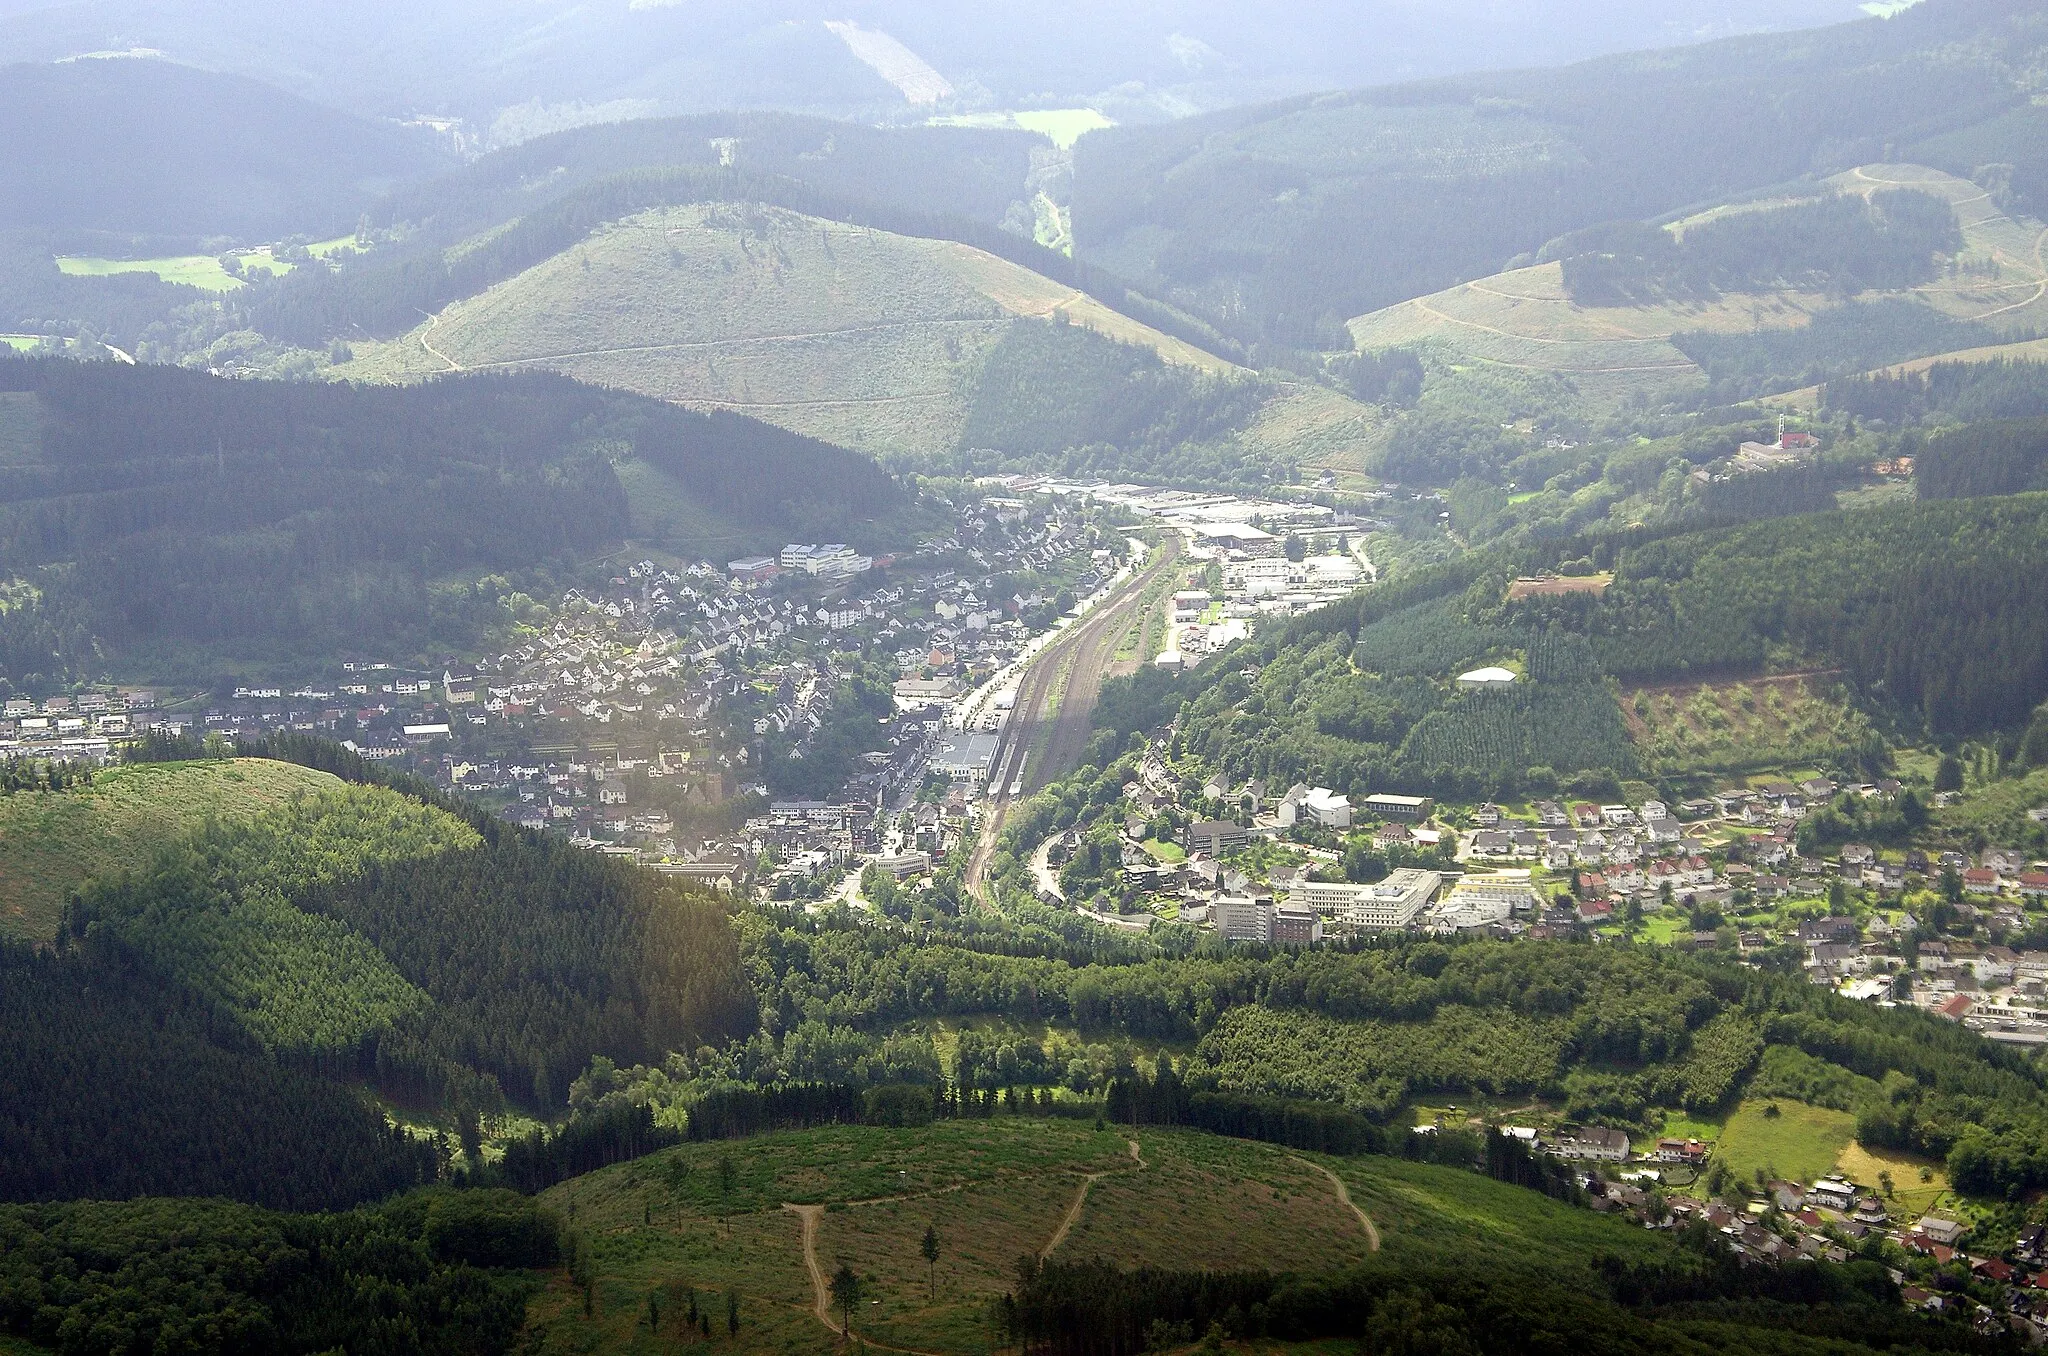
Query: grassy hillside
x=155, y=149
x=1527, y=321
x=876, y=341
x=51, y=843
x=995, y=1191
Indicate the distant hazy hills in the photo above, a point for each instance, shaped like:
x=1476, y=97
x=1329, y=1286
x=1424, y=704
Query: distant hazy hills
x=151, y=147
x=1281, y=222
x=515, y=68
x=1991, y=286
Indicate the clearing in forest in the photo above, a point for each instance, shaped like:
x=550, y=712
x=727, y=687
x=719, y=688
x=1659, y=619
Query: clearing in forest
x=53, y=842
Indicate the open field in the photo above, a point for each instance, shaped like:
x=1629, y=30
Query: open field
x=1910, y=1196
x=1419, y=1208
x=1320, y=428
x=1739, y=727
x=194, y=270
x=867, y=339
x=50, y=844
x=21, y=343
x=2013, y=250
x=1235, y=1205
x=995, y=1191
x=1799, y=1144
x=1523, y=320
x=1061, y=126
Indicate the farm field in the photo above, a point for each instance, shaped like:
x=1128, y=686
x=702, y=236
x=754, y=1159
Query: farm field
x=193, y=270
x=1740, y=727
x=994, y=1191
x=860, y=337
x=1799, y=1144
x=51, y=843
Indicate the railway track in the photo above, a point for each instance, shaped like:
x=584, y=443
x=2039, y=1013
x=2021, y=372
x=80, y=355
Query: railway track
x=1049, y=724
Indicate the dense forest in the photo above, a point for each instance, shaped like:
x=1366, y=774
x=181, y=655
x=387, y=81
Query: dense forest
x=1429, y=1304
x=1844, y=340
x=2005, y=388
x=2005, y=457
x=1610, y=1034
x=1844, y=244
x=1279, y=223
x=1060, y=397
x=1928, y=608
x=432, y=1273
x=375, y=934
x=182, y=516
x=116, y=1085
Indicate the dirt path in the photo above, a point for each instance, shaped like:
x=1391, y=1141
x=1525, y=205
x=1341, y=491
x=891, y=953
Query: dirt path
x=433, y=322
x=1088, y=1181
x=821, y=1294
x=690, y=345
x=1372, y=1233
x=1059, y=1235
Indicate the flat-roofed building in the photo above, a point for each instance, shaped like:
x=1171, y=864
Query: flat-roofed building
x=904, y=865
x=1296, y=925
x=1395, y=902
x=1217, y=836
x=1398, y=807
x=965, y=757
x=1241, y=918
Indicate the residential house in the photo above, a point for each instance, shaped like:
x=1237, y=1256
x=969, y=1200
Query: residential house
x=1596, y=1143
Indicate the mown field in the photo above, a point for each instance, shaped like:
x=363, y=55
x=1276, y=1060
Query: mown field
x=995, y=1191
x=50, y=844
x=1798, y=1143
x=193, y=270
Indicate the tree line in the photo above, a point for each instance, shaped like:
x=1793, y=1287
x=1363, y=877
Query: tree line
x=431, y=1273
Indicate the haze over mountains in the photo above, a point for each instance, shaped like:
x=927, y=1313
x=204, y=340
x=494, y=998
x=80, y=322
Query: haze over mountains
x=1086, y=680
x=511, y=70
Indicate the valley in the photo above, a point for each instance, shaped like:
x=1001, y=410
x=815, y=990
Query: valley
x=1057, y=683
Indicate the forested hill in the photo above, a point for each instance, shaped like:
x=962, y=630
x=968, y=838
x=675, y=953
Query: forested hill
x=155, y=149
x=162, y=515
x=208, y=1025
x=1283, y=221
x=1927, y=611
x=973, y=173
x=457, y=236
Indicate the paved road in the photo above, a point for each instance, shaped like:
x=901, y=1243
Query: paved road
x=1049, y=726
